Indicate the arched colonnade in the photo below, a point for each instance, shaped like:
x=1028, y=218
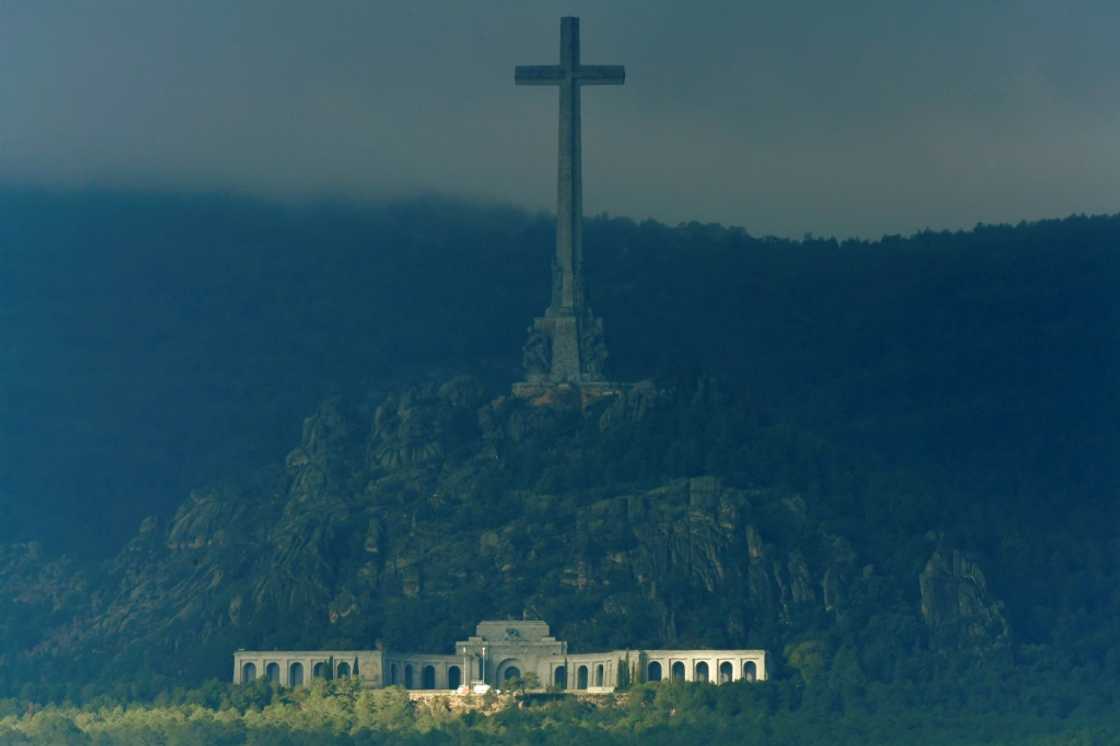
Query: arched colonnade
x=294, y=672
x=713, y=670
x=424, y=673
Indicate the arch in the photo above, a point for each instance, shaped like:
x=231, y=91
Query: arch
x=248, y=672
x=599, y=675
x=392, y=674
x=408, y=676
x=428, y=677
x=560, y=677
x=678, y=671
x=319, y=670
x=272, y=672
x=344, y=670
x=454, y=677
x=726, y=672
x=750, y=671
x=653, y=671
x=581, y=677
x=295, y=674
x=701, y=672
x=502, y=672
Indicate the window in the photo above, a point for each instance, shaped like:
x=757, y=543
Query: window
x=408, y=676
x=248, y=672
x=272, y=672
x=454, y=677
x=599, y=675
x=344, y=670
x=653, y=671
x=678, y=671
x=726, y=672
x=701, y=672
x=750, y=671
x=295, y=674
x=581, y=677
x=560, y=677
x=428, y=677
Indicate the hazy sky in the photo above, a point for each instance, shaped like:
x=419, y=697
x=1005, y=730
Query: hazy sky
x=845, y=118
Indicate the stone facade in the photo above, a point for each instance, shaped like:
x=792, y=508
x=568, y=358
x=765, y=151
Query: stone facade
x=498, y=652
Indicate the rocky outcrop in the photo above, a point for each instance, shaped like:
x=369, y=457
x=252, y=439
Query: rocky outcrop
x=957, y=605
x=422, y=423
x=405, y=522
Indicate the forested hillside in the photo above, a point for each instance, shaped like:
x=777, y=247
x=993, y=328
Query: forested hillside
x=156, y=343
x=893, y=464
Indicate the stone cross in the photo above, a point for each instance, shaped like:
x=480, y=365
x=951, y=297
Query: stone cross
x=569, y=75
x=567, y=361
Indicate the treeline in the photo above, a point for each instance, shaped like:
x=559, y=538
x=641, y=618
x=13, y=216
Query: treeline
x=972, y=711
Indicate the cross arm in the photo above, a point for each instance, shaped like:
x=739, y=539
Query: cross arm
x=601, y=74
x=537, y=74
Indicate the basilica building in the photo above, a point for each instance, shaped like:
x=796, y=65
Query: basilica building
x=501, y=652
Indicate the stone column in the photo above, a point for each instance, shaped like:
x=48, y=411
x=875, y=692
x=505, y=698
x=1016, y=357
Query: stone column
x=569, y=203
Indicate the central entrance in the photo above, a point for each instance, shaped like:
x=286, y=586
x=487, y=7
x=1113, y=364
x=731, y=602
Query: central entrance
x=509, y=669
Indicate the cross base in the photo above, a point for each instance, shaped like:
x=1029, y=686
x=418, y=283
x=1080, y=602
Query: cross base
x=583, y=395
x=563, y=331
x=565, y=346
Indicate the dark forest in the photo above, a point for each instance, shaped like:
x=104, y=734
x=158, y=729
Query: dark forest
x=921, y=433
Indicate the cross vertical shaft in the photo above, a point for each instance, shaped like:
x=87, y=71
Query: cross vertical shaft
x=569, y=179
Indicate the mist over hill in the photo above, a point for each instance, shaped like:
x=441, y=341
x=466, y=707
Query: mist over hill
x=860, y=454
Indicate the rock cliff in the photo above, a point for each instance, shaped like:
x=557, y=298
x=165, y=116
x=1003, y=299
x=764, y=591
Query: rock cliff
x=956, y=602
x=405, y=523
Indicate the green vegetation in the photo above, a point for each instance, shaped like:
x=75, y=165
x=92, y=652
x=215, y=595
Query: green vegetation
x=893, y=464
x=984, y=358
x=959, y=713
